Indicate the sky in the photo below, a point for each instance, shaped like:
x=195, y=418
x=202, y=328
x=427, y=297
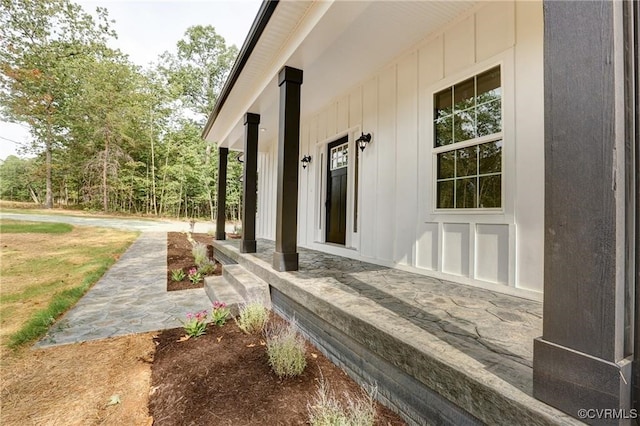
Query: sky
x=148, y=28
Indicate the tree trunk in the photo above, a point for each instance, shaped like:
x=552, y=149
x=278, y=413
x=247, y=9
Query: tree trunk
x=105, y=166
x=48, y=201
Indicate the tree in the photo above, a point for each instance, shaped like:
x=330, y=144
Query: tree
x=42, y=42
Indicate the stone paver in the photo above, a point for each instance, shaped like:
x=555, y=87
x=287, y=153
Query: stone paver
x=130, y=298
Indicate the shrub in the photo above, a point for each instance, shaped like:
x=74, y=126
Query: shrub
x=199, y=252
x=207, y=267
x=177, y=275
x=326, y=410
x=286, y=350
x=252, y=318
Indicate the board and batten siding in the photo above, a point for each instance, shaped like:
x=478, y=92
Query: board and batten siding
x=397, y=224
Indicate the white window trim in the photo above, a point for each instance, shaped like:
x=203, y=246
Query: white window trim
x=504, y=214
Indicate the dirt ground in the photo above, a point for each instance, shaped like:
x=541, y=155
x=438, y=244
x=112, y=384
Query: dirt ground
x=179, y=257
x=221, y=378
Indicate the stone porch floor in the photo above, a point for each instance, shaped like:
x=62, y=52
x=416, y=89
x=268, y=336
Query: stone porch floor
x=484, y=335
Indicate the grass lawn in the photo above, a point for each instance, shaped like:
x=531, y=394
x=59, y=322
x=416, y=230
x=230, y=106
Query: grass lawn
x=45, y=268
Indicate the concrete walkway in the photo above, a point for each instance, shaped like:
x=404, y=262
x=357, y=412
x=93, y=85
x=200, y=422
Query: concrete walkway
x=130, y=298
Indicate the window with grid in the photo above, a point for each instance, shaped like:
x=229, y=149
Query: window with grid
x=468, y=143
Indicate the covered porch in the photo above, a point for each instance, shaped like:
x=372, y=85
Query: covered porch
x=439, y=350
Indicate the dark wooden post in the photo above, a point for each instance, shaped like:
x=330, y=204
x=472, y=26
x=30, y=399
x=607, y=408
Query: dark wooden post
x=222, y=193
x=285, y=257
x=250, y=184
x=583, y=359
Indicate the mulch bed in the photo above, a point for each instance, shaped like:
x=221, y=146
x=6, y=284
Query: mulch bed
x=179, y=257
x=223, y=378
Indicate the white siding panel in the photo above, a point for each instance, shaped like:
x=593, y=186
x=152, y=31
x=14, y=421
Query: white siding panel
x=406, y=194
x=431, y=62
x=355, y=108
x=455, y=249
x=529, y=136
x=322, y=126
x=459, y=45
x=332, y=116
x=343, y=115
x=386, y=146
x=427, y=250
x=303, y=186
x=492, y=253
x=495, y=29
x=313, y=202
x=368, y=169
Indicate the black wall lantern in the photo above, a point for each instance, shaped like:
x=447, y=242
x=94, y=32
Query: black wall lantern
x=363, y=140
x=305, y=161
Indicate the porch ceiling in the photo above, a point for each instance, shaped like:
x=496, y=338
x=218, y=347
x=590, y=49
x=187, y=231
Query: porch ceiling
x=337, y=45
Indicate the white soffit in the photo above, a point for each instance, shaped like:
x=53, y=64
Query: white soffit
x=336, y=44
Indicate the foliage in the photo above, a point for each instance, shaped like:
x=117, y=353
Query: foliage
x=219, y=313
x=177, y=275
x=207, y=267
x=107, y=134
x=199, y=252
x=253, y=318
x=286, y=350
x=194, y=276
x=326, y=410
x=196, y=324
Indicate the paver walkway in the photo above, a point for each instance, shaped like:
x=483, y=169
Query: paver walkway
x=130, y=298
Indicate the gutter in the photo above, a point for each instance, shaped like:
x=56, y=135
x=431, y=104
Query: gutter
x=262, y=19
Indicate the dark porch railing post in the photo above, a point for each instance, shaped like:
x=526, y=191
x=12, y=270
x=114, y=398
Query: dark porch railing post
x=285, y=257
x=249, y=186
x=583, y=359
x=222, y=193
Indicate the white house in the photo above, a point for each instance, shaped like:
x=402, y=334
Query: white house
x=462, y=110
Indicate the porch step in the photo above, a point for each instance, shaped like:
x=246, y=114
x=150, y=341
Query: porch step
x=217, y=288
x=236, y=287
x=249, y=286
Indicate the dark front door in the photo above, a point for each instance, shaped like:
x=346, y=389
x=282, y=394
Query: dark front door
x=338, y=158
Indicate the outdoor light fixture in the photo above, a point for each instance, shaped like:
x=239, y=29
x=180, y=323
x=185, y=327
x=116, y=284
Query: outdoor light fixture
x=305, y=161
x=363, y=140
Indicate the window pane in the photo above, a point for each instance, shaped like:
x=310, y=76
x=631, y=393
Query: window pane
x=443, y=131
x=466, y=193
x=463, y=95
x=467, y=161
x=446, y=164
x=464, y=125
x=442, y=103
x=490, y=191
x=489, y=118
x=445, y=194
x=490, y=157
x=489, y=85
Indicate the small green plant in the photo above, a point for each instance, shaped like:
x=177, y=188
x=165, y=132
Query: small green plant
x=326, y=410
x=194, y=276
x=207, y=267
x=219, y=313
x=196, y=324
x=253, y=318
x=199, y=252
x=286, y=350
x=177, y=275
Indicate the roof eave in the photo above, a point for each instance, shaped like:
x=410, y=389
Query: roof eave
x=260, y=22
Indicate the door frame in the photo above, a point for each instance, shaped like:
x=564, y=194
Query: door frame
x=352, y=238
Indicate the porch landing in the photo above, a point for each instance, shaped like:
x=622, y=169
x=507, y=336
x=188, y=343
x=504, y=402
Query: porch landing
x=468, y=350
